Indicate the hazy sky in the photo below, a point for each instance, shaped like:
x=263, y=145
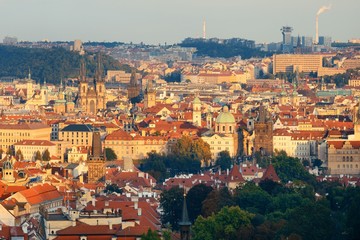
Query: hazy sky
x=159, y=21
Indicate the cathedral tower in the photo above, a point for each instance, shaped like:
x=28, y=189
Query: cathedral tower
x=197, y=112
x=150, y=95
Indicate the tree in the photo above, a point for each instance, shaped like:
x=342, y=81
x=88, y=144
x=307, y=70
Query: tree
x=110, y=188
x=110, y=154
x=216, y=200
x=46, y=155
x=19, y=156
x=230, y=223
x=150, y=235
x=195, y=197
x=224, y=160
x=310, y=221
x=290, y=169
x=317, y=163
x=37, y=155
x=171, y=201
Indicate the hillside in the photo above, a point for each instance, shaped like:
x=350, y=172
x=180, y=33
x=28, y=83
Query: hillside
x=50, y=64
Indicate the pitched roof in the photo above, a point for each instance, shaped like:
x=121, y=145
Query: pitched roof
x=270, y=174
x=79, y=128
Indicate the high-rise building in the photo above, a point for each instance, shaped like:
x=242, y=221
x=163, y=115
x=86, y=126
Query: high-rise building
x=302, y=62
x=325, y=41
x=287, y=40
x=307, y=41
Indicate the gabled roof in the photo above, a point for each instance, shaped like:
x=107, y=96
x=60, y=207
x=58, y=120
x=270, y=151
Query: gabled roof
x=270, y=174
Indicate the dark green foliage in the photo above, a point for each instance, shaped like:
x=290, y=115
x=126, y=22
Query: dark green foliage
x=196, y=195
x=252, y=198
x=46, y=155
x=110, y=154
x=150, y=235
x=230, y=223
x=342, y=79
x=224, y=160
x=38, y=156
x=50, y=64
x=110, y=188
x=213, y=49
x=290, y=169
x=216, y=200
x=310, y=221
x=171, y=202
x=175, y=76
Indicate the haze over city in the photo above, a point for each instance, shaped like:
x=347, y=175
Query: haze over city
x=161, y=21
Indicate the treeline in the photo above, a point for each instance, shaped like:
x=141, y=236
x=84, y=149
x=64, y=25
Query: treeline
x=48, y=64
x=300, y=209
x=223, y=50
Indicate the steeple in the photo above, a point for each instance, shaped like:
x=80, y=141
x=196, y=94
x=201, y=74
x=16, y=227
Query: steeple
x=82, y=71
x=29, y=76
x=98, y=74
x=185, y=222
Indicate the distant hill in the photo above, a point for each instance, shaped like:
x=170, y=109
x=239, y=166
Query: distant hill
x=224, y=48
x=50, y=64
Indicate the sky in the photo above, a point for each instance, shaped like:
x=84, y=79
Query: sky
x=170, y=21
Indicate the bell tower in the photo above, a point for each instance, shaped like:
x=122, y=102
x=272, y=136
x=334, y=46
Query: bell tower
x=100, y=85
x=83, y=85
x=197, y=112
x=150, y=95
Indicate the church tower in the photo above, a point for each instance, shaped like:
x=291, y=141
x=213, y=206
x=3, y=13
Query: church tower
x=185, y=223
x=133, y=88
x=150, y=95
x=100, y=86
x=209, y=117
x=197, y=112
x=83, y=85
x=357, y=122
x=8, y=170
x=96, y=162
x=263, y=128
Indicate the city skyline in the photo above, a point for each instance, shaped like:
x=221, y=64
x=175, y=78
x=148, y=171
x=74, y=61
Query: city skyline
x=155, y=22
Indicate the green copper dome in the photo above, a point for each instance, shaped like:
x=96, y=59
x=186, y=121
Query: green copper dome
x=225, y=116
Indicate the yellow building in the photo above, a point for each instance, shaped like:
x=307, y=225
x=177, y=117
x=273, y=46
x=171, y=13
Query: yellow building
x=354, y=82
x=134, y=146
x=225, y=137
x=13, y=133
x=77, y=134
x=290, y=62
x=344, y=157
x=29, y=148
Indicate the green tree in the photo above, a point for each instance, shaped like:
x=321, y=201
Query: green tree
x=110, y=188
x=150, y=235
x=46, y=155
x=110, y=154
x=310, y=221
x=290, y=169
x=252, y=198
x=196, y=195
x=37, y=155
x=230, y=223
x=224, y=160
x=171, y=201
x=216, y=200
x=19, y=156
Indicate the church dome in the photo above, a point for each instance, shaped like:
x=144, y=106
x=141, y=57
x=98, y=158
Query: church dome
x=225, y=117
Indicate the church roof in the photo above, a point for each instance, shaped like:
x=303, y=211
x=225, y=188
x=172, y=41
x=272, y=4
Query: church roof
x=270, y=174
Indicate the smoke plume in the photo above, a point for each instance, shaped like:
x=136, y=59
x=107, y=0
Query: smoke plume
x=323, y=9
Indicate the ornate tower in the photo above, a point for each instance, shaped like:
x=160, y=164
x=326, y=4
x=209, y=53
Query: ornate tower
x=263, y=133
x=197, y=112
x=209, y=117
x=133, y=89
x=44, y=93
x=83, y=85
x=150, y=95
x=8, y=170
x=100, y=86
x=96, y=162
x=185, y=223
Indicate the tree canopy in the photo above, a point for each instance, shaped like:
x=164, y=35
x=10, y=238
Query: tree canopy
x=110, y=154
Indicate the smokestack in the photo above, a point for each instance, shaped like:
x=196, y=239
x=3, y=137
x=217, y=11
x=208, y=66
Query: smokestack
x=204, y=29
x=320, y=11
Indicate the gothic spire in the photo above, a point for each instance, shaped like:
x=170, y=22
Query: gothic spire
x=82, y=70
x=185, y=216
